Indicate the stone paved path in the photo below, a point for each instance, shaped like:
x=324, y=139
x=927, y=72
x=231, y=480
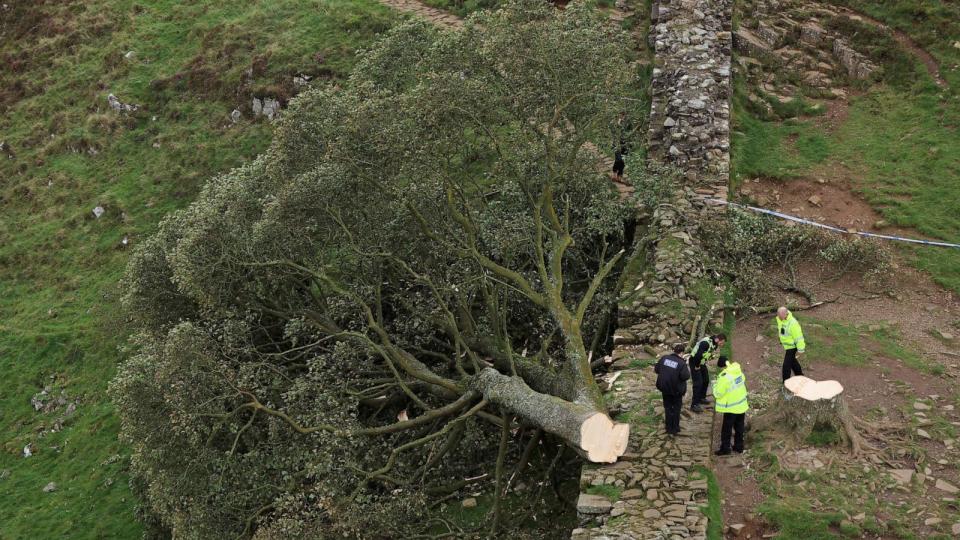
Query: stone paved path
x=657, y=487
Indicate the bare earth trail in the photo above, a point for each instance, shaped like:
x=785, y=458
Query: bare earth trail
x=908, y=43
x=917, y=311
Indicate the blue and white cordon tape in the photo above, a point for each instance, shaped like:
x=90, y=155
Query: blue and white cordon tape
x=829, y=227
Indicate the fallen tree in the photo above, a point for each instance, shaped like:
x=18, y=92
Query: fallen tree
x=371, y=311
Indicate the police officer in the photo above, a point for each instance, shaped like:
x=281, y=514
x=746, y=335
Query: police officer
x=703, y=351
x=672, y=376
x=791, y=337
x=730, y=391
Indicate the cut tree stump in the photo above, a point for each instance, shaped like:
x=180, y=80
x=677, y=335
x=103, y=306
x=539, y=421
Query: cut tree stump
x=806, y=404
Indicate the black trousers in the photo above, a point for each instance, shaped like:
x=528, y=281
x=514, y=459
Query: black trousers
x=790, y=364
x=671, y=412
x=618, y=164
x=700, y=379
x=732, y=423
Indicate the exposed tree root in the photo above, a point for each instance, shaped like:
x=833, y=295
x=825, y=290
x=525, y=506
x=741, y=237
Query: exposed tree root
x=800, y=413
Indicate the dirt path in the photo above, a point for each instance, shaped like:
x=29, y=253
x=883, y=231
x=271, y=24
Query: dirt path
x=917, y=310
x=907, y=42
x=436, y=16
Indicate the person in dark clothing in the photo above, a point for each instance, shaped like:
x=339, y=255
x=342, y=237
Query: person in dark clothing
x=703, y=351
x=618, y=164
x=622, y=132
x=672, y=376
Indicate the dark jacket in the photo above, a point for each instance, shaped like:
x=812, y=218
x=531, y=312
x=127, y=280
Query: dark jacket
x=672, y=375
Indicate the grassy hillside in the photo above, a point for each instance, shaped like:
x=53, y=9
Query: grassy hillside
x=65, y=151
x=901, y=139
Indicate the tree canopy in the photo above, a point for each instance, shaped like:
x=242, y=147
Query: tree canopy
x=422, y=262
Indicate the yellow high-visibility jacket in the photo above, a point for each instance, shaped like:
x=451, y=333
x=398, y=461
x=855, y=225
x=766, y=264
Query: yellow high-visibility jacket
x=730, y=390
x=790, y=333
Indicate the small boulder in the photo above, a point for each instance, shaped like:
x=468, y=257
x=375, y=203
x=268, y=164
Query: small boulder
x=943, y=485
x=902, y=476
x=50, y=488
x=815, y=200
x=469, y=503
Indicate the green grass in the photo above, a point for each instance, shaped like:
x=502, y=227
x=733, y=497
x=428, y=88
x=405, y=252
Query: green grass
x=903, y=149
x=774, y=150
x=462, y=8
x=714, y=507
x=793, y=518
x=823, y=435
x=933, y=24
x=854, y=345
x=610, y=492
x=58, y=264
x=900, y=141
x=908, y=148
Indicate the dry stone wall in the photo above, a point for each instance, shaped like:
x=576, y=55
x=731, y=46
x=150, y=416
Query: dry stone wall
x=658, y=487
x=780, y=37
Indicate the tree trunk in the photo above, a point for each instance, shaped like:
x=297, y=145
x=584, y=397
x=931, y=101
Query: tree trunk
x=806, y=404
x=590, y=430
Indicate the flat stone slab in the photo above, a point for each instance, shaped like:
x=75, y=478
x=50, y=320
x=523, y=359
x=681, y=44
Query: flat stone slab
x=593, y=504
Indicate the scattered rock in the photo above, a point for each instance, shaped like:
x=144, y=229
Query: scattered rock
x=4, y=474
x=814, y=200
x=98, y=211
x=270, y=108
x=6, y=150
x=932, y=521
x=119, y=106
x=651, y=513
x=902, y=476
x=943, y=485
x=50, y=488
x=956, y=526
x=130, y=55
x=921, y=406
x=736, y=528
x=469, y=503
x=235, y=116
x=923, y=433
x=945, y=335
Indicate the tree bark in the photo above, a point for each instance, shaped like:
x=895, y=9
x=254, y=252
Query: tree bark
x=806, y=404
x=591, y=431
